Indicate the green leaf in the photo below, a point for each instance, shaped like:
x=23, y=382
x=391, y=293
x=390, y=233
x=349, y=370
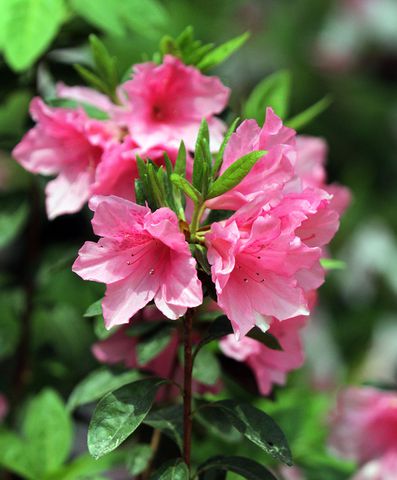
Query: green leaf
x=244, y=467
x=186, y=187
x=180, y=163
x=219, y=328
x=91, y=79
x=259, y=428
x=148, y=348
x=12, y=220
x=172, y=470
x=202, y=155
x=147, y=18
x=119, y=414
x=97, y=384
x=206, y=367
x=90, y=110
x=138, y=458
x=264, y=337
x=95, y=309
x=101, y=14
x=233, y=175
x=30, y=27
x=106, y=65
x=47, y=427
x=221, y=53
x=333, y=264
x=219, y=156
x=273, y=91
x=304, y=118
x=217, y=422
x=15, y=456
x=14, y=112
x=169, y=420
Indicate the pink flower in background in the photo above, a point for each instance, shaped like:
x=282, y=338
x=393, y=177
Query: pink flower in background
x=269, y=366
x=310, y=168
x=68, y=144
x=3, y=407
x=260, y=266
x=364, y=424
x=142, y=257
x=167, y=103
x=275, y=168
x=382, y=468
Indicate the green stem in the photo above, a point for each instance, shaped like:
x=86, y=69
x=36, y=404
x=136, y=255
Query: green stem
x=187, y=386
x=195, y=223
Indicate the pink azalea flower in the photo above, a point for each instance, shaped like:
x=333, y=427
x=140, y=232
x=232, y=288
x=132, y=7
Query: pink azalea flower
x=260, y=266
x=269, y=366
x=142, y=256
x=68, y=144
x=382, y=468
x=3, y=407
x=117, y=171
x=275, y=168
x=291, y=473
x=168, y=102
x=364, y=424
x=310, y=168
x=88, y=96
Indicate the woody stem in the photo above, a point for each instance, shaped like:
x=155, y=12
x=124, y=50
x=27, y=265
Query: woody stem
x=187, y=386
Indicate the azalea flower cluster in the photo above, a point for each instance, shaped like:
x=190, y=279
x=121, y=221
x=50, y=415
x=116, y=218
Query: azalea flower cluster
x=260, y=261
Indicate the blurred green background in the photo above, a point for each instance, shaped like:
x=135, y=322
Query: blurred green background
x=345, y=48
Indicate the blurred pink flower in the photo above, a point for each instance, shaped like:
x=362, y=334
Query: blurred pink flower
x=68, y=144
x=382, y=468
x=3, y=407
x=310, y=168
x=364, y=424
x=141, y=256
x=269, y=366
x=260, y=265
x=275, y=168
x=167, y=102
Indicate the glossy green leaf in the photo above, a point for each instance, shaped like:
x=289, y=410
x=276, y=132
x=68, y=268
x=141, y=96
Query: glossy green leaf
x=138, y=458
x=119, y=414
x=245, y=467
x=219, y=328
x=47, y=428
x=219, y=156
x=221, y=53
x=259, y=428
x=273, y=91
x=186, y=187
x=172, y=470
x=308, y=115
x=147, y=18
x=30, y=27
x=264, y=337
x=233, y=175
x=169, y=420
x=97, y=384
